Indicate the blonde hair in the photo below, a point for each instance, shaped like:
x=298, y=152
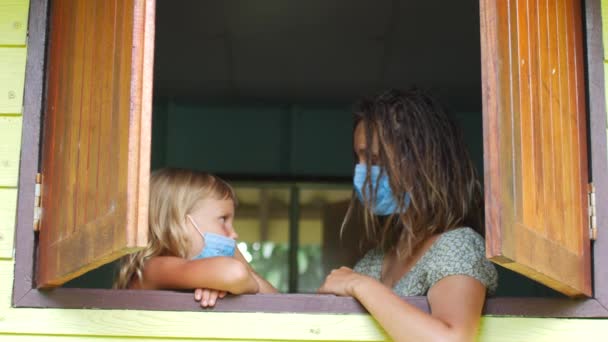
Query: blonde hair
x=174, y=193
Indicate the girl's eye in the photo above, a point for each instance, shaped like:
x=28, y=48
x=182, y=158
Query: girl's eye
x=223, y=219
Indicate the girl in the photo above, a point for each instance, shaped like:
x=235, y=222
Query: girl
x=191, y=240
x=423, y=206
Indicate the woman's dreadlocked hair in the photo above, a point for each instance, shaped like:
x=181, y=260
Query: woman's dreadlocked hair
x=423, y=154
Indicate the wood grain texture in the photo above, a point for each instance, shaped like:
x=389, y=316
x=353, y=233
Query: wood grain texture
x=10, y=146
x=13, y=22
x=95, y=160
x=8, y=209
x=12, y=74
x=535, y=141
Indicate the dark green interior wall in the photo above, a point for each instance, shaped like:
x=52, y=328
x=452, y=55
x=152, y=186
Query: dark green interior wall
x=287, y=141
x=159, y=134
x=260, y=140
x=470, y=125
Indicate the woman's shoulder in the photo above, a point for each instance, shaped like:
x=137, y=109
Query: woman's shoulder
x=458, y=244
x=461, y=251
x=462, y=233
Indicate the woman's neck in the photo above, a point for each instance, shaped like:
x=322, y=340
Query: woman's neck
x=395, y=266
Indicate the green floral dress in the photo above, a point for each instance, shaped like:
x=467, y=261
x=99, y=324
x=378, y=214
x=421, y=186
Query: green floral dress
x=459, y=251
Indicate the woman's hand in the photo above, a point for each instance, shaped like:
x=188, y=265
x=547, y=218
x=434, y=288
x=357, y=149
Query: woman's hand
x=342, y=282
x=208, y=297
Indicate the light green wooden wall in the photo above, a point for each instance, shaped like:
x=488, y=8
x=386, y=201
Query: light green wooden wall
x=25, y=324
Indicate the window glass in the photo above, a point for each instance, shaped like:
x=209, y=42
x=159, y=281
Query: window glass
x=262, y=222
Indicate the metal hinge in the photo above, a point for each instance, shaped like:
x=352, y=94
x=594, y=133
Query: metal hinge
x=38, y=202
x=592, y=212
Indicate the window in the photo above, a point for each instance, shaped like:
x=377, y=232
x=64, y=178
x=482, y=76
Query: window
x=284, y=232
x=128, y=203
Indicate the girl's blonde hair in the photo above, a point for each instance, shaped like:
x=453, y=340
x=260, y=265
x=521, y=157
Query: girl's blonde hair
x=174, y=193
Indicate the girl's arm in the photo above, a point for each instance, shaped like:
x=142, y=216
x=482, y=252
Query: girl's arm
x=263, y=284
x=219, y=273
x=456, y=303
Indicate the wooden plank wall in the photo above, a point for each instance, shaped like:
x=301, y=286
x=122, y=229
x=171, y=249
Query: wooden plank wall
x=117, y=325
x=13, y=26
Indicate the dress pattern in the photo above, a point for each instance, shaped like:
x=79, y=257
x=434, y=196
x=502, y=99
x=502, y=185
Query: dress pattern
x=459, y=251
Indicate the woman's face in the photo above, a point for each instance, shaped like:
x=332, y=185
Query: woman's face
x=213, y=216
x=361, y=146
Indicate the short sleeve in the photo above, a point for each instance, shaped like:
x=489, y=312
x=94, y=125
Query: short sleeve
x=461, y=252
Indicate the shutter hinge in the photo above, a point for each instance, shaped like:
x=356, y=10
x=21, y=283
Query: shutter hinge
x=592, y=212
x=38, y=202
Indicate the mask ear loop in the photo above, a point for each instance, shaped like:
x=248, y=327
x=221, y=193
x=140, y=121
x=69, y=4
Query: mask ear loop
x=195, y=226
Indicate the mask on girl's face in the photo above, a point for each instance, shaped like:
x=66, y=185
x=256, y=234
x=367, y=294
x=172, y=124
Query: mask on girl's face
x=385, y=203
x=215, y=244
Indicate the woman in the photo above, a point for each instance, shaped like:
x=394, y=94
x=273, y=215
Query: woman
x=423, y=206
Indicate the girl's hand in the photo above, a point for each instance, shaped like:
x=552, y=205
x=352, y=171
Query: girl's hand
x=208, y=297
x=342, y=282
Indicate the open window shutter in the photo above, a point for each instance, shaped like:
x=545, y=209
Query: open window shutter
x=96, y=141
x=535, y=146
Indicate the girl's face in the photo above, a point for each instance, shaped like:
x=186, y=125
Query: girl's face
x=360, y=145
x=213, y=216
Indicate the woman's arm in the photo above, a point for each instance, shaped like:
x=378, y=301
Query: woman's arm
x=456, y=303
x=219, y=273
x=263, y=284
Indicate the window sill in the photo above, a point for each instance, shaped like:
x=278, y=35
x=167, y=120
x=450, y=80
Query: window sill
x=289, y=303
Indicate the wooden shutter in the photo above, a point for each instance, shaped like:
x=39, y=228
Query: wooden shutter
x=96, y=142
x=535, y=146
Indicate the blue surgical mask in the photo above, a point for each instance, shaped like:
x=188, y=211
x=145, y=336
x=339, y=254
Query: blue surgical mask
x=385, y=203
x=215, y=244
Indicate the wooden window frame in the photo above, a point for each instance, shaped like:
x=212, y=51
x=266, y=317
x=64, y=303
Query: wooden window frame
x=25, y=293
